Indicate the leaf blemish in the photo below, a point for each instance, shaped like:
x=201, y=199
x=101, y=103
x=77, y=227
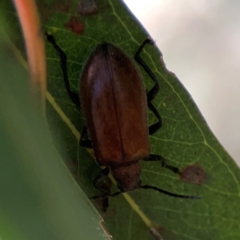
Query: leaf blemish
x=193, y=174
x=75, y=26
x=87, y=7
x=155, y=233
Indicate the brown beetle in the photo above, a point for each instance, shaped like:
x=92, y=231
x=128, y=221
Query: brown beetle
x=114, y=102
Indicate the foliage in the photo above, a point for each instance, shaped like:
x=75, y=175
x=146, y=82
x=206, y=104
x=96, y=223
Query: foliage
x=185, y=139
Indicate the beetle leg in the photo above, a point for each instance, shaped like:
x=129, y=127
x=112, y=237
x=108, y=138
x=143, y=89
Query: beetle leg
x=84, y=142
x=154, y=157
x=153, y=91
x=156, y=126
x=63, y=57
x=169, y=193
x=106, y=192
x=96, y=182
x=105, y=204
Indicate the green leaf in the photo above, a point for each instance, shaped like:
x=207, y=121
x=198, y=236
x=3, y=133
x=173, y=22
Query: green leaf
x=184, y=139
x=39, y=197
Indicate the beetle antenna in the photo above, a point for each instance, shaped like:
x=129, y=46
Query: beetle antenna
x=169, y=193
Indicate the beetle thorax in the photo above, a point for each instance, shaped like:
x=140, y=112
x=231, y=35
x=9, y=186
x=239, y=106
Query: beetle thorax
x=127, y=176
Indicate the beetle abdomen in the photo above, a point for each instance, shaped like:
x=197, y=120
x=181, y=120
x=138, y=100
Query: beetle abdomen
x=114, y=102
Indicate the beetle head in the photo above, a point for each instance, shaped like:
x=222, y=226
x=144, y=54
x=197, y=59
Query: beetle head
x=127, y=176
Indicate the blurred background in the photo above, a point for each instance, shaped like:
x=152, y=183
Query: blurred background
x=200, y=42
